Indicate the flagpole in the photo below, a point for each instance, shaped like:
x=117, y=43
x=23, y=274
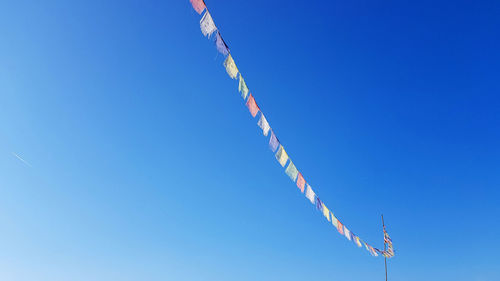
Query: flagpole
x=385, y=245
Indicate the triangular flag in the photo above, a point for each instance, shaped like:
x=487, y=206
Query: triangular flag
x=264, y=125
x=291, y=171
x=301, y=182
x=221, y=45
x=242, y=87
x=310, y=194
x=207, y=25
x=198, y=5
x=282, y=156
x=230, y=66
x=252, y=106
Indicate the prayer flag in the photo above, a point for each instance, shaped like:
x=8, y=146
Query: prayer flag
x=242, y=87
x=319, y=204
x=358, y=241
x=347, y=233
x=221, y=45
x=335, y=222
x=291, y=171
x=231, y=68
x=310, y=194
x=326, y=212
x=263, y=124
x=301, y=182
x=340, y=227
x=273, y=141
x=207, y=25
x=252, y=105
x=198, y=5
x=282, y=156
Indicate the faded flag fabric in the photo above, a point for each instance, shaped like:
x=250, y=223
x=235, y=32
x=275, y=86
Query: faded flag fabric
x=340, y=227
x=358, y=241
x=198, y=5
x=310, y=194
x=291, y=171
x=301, y=182
x=252, y=106
x=282, y=156
x=207, y=25
x=347, y=233
x=326, y=212
x=335, y=222
x=319, y=204
x=273, y=142
x=221, y=45
x=264, y=125
x=231, y=68
x=242, y=87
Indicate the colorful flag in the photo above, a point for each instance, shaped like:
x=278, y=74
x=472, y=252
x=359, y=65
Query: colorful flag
x=340, y=227
x=282, y=156
x=291, y=171
x=310, y=194
x=326, y=212
x=335, y=222
x=301, y=182
x=230, y=66
x=221, y=45
x=207, y=25
x=198, y=5
x=263, y=124
x=358, y=241
x=347, y=233
x=252, y=106
x=319, y=204
x=242, y=87
x=273, y=142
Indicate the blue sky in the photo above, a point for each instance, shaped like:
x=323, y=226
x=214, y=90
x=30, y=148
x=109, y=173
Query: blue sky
x=146, y=165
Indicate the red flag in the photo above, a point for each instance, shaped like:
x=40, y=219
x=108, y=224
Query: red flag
x=301, y=182
x=252, y=106
x=198, y=5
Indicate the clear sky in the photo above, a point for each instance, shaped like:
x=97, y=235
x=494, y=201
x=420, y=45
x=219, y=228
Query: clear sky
x=142, y=162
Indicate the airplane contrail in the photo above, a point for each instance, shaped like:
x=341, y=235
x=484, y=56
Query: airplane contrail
x=22, y=160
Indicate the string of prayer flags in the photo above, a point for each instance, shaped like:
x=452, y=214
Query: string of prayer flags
x=198, y=5
x=273, y=142
x=310, y=194
x=231, y=68
x=252, y=106
x=242, y=87
x=221, y=45
x=301, y=182
x=263, y=124
x=207, y=25
x=282, y=156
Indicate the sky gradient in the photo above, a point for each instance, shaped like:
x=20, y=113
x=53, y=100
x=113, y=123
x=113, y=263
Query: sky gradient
x=143, y=163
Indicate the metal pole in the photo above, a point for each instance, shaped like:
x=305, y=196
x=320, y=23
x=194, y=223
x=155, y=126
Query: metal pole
x=385, y=248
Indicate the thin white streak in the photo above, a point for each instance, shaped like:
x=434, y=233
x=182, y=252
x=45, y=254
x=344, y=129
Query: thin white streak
x=22, y=160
